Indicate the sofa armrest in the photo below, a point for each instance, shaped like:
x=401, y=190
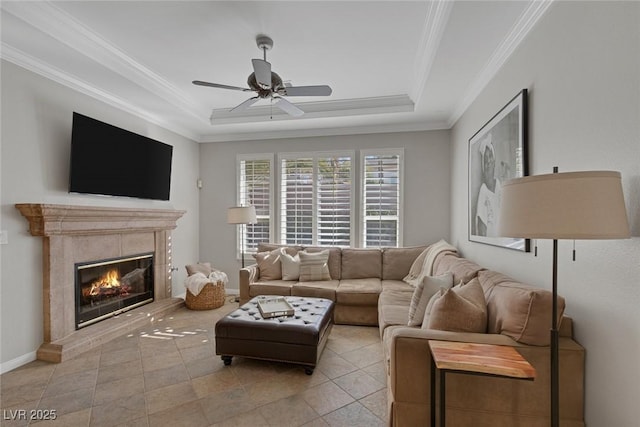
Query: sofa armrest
x=409, y=358
x=248, y=275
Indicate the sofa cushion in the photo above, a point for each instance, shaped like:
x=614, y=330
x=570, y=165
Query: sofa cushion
x=396, y=285
x=201, y=267
x=335, y=259
x=423, y=293
x=269, y=264
x=396, y=262
x=359, y=291
x=314, y=266
x=391, y=315
x=520, y=311
x=361, y=263
x=271, y=287
x=395, y=298
x=463, y=269
x=322, y=289
x=290, y=265
x=459, y=309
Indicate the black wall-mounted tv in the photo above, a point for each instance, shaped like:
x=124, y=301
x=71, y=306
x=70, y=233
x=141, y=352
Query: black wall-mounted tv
x=112, y=161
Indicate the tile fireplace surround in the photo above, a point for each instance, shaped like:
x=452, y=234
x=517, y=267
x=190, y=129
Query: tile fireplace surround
x=72, y=234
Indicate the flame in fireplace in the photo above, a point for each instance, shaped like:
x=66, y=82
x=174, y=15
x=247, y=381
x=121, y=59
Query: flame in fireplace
x=109, y=281
x=107, y=285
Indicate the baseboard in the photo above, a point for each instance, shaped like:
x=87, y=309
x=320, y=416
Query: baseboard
x=17, y=362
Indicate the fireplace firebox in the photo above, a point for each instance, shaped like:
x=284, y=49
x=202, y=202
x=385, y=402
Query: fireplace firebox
x=109, y=287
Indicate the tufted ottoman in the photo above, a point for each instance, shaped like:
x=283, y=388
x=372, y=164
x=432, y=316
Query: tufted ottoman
x=296, y=339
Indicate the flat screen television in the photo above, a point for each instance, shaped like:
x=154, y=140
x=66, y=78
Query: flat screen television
x=112, y=161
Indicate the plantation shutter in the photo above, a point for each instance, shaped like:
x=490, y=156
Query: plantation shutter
x=316, y=203
x=255, y=189
x=381, y=199
x=296, y=201
x=334, y=201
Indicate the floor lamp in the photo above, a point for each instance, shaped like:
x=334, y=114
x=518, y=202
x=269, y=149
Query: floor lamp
x=570, y=205
x=242, y=215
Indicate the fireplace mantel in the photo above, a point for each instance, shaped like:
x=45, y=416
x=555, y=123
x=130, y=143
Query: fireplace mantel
x=50, y=220
x=73, y=234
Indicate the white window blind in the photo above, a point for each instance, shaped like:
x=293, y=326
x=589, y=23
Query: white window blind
x=381, y=198
x=255, y=188
x=296, y=201
x=315, y=199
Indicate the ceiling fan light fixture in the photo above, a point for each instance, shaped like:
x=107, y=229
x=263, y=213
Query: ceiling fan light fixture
x=268, y=84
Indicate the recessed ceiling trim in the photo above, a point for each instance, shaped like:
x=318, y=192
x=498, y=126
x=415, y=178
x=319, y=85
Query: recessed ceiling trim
x=36, y=66
x=332, y=131
x=522, y=27
x=433, y=29
x=318, y=109
x=58, y=24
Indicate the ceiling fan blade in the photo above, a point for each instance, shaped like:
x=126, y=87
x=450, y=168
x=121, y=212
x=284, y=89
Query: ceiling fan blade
x=246, y=104
x=288, y=107
x=320, y=90
x=262, y=70
x=201, y=83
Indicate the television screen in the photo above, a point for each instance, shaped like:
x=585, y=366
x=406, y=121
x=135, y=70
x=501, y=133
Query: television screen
x=112, y=161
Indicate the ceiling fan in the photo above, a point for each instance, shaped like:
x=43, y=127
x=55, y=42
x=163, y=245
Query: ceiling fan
x=269, y=85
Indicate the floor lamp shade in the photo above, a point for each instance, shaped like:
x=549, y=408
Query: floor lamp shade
x=241, y=215
x=569, y=205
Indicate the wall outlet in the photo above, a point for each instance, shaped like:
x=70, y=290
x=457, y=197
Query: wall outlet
x=4, y=237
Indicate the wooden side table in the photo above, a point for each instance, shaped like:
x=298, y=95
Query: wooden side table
x=475, y=359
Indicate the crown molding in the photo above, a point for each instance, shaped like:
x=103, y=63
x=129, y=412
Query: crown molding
x=329, y=131
x=519, y=31
x=58, y=24
x=317, y=109
x=23, y=60
x=433, y=29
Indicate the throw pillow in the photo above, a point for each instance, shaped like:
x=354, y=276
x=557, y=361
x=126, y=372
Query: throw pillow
x=201, y=267
x=429, y=286
x=269, y=265
x=314, y=266
x=460, y=309
x=290, y=265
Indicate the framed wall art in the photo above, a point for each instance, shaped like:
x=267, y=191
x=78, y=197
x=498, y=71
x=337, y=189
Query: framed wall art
x=497, y=152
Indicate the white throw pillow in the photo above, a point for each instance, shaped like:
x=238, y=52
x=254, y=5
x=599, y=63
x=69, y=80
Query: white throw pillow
x=290, y=265
x=429, y=286
x=314, y=266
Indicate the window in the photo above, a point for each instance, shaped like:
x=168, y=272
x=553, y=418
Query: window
x=315, y=199
x=381, y=197
x=255, y=188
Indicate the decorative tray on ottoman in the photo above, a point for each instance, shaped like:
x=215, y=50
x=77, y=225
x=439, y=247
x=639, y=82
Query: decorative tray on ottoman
x=274, y=307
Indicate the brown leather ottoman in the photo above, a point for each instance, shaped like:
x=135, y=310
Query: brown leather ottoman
x=296, y=339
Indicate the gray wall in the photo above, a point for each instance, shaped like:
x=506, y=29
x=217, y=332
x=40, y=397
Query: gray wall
x=426, y=191
x=36, y=137
x=581, y=64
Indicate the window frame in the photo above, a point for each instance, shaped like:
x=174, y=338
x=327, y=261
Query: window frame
x=315, y=156
x=362, y=200
x=269, y=157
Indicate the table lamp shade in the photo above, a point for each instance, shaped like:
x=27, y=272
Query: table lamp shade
x=241, y=215
x=569, y=205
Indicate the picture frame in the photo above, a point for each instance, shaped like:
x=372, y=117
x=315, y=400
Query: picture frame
x=497, y=152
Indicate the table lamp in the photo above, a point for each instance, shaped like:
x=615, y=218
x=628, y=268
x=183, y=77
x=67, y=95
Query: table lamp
x=570, y=205
x=241, y=215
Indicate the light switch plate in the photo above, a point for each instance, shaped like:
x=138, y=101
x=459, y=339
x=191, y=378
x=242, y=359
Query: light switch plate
x=4, y=237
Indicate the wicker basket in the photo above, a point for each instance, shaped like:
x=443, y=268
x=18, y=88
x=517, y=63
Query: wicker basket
x=211, y=296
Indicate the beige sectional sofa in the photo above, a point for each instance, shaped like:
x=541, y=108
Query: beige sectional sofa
x=368, y=289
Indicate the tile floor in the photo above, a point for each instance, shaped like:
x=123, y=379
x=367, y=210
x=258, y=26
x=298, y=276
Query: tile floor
x=168, y=374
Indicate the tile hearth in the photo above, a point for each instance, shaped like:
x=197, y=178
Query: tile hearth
x=167, y=374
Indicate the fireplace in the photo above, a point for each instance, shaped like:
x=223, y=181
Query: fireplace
x=76, y=235
x=109, y=287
